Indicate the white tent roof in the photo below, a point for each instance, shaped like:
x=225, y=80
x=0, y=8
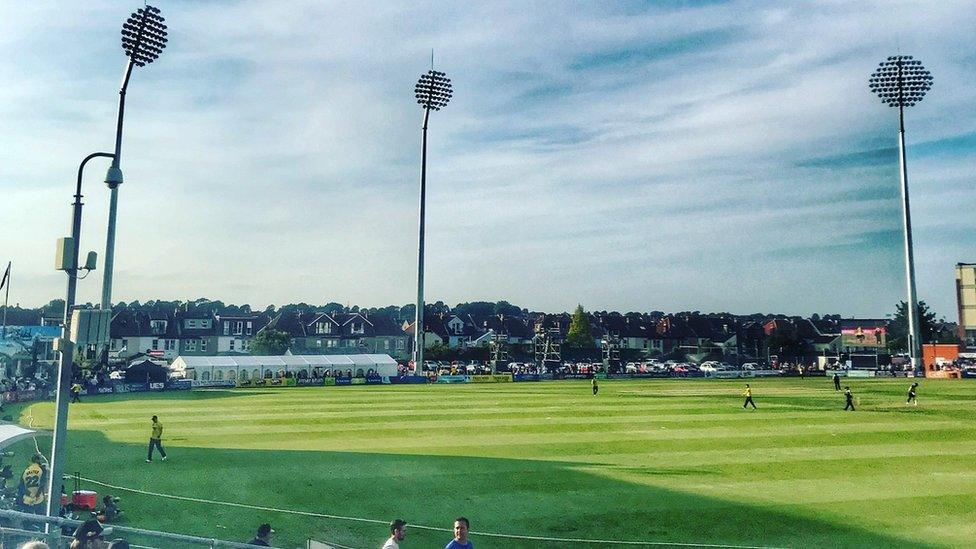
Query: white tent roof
x=290, y=361
x=10, y=433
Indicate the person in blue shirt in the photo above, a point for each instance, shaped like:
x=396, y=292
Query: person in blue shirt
x=460, y=541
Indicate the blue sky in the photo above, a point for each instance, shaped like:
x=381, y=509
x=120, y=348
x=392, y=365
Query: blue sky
x=714, y=156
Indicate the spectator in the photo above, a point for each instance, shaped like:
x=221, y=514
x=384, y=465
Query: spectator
x=118, y=544
x=396, y=534
x=109, y=511
x=32, y=485
x=33, y=544
x=460, y=541
x=89, y=535
x=263, y=537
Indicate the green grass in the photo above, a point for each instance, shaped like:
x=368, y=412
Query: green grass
x=661, y=461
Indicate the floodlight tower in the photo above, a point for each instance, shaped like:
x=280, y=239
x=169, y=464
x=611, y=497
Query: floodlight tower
x=143, y=39
x=901, y=81
x=433, y=91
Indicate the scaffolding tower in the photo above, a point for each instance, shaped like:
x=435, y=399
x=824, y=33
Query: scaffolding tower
x=498, y=351
x=548, y=352
x=610, y=345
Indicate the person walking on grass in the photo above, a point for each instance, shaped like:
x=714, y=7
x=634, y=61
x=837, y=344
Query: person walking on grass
x=596, y=386
x=154, y=440
x=748, y=395
x=836, y=382
x=396, y=534
x=460, y=541
x=849, y=398
x=911, y=394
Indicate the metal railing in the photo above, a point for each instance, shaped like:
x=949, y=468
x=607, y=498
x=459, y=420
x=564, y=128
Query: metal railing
x=15, y=529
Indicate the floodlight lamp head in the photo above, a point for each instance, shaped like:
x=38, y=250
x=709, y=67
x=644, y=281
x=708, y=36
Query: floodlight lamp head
x=433, y=90
x=900, y=81
x=144, y=35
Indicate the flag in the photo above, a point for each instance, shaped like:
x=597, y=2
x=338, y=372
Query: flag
x=6, y=275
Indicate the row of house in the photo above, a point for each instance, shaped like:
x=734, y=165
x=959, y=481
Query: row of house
x=201, y=332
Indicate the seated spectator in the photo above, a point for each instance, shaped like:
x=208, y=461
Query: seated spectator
x=263, y=537
x=33, y=544
x=89, y=535
x=110, y=511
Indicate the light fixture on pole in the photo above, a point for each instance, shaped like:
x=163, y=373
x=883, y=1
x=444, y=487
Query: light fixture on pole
x=901, y=81
x=433, y=91
x=143, y=39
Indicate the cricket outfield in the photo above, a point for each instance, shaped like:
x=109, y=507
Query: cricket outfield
x=662, y=461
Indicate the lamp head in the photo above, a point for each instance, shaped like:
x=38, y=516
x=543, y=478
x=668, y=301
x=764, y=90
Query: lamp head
x=144, y=35
x=433, y=90
x=900, y=81
x=114, y=176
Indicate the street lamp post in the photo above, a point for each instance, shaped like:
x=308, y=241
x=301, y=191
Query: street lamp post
x=433, y=91
x=901, y=81
x=66, y=348
x=143, y=39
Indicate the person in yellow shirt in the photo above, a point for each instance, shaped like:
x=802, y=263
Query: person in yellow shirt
x=75, y=392
x=748, y=395
x=32, y=485
x=154, y=440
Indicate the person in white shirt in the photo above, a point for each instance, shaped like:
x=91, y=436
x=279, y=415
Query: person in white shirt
x=396, y=534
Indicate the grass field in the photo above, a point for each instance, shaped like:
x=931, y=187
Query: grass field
x=657, y=461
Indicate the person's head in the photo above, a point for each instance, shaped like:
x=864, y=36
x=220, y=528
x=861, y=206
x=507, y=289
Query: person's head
x=396, y=529
x=154, y=419
x=118, y=544
x=747, y=385
x=37, y=458
x=847, y=388
x=34, y=545
x=461, y=526
x=265, y=531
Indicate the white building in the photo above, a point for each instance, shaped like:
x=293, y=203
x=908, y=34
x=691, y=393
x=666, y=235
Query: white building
x=232, y=368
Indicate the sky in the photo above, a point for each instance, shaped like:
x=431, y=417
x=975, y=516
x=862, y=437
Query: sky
x=633, y=156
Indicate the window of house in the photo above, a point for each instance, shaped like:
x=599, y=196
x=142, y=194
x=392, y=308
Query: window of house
x=249, y=325
x=238, y=328
x=357, y=327
x=191, y=345
x=318, y=342
x=170, y=344
x=191, y=323
x=232, y=342
x=125, y=344
x=331, y=343
x=401, y=344
x=155, y=345
x=226, y=327
x=205, y=323
x=157, y=326
x=323, y=327
x=386, y=344
x=245, y=345
x=112, y=345
x=203, y=345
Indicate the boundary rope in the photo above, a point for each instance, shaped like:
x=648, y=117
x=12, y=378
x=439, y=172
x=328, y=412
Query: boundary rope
x=416, y=526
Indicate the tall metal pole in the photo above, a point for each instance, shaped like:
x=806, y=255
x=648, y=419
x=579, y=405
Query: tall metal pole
x=67, y=354
x=901, y=81
x=418, y=326
x=6, y=300
x=113, y=180
x=914, y=326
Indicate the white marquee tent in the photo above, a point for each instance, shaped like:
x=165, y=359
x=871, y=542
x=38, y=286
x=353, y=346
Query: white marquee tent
x=217, y=368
